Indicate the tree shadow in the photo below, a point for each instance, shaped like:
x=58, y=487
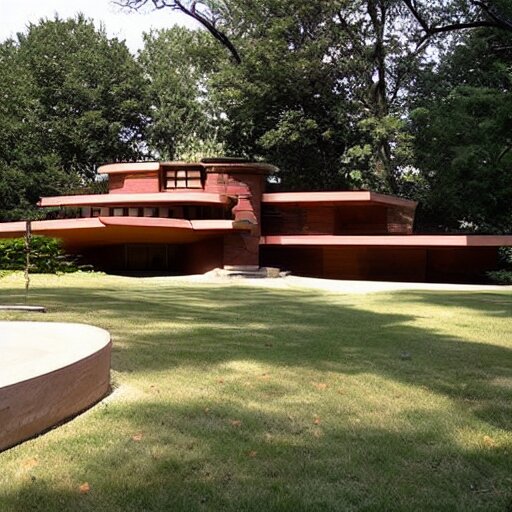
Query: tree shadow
x=498, y=304
x=355, y=466
x=206, y=326
x=191, y=459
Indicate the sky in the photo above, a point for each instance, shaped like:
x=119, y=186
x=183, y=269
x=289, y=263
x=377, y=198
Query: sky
x=15, y=15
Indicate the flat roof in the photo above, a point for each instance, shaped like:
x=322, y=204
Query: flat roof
x=355, y=196
x=390, y=240
x=93, y=231
x=155, y=222
x=129, y=167
x=209, y=166
x=175, y=197
x=18, y=227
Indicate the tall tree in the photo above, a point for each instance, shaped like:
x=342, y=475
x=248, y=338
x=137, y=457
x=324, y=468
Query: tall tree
x=462, y=121
x=184, y=121
x=91, y=92
x=322, y=88
x=286, y=101
x=70, y=98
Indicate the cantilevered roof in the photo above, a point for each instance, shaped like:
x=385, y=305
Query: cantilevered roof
x=78, y=233
x=215, y=165
x=129, y=167
x=174, y=197
x=352, y=196
x=390, y=240
x=155, y=222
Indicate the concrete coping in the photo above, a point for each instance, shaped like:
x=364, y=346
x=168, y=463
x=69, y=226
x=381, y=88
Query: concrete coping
x=32, y=349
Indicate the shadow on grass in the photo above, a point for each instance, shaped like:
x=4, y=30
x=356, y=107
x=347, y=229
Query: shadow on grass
x=279, y=462
x=206, y=326
x=189, y=459
x=497, y=304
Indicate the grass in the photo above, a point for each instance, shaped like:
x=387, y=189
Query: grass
x=237, y=398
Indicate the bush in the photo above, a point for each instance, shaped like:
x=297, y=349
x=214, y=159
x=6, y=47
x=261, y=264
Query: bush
x=46, y=256
x=500, y=276
x=505, y=257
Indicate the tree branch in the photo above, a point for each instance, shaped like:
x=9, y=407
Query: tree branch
x=416, y=14
x=210, y=26
x=497, y=20
x=498, y=17
x=462, y=26
x=504, y=152
x=193, y=12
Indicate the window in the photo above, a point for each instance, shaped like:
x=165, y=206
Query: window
x=151, y=212
x=183, y=178
x=95, y=212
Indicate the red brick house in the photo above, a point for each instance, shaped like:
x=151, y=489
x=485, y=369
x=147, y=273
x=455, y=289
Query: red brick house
x=185, y=218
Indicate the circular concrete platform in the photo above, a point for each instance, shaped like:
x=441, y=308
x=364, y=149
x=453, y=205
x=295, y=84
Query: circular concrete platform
x=48, y=373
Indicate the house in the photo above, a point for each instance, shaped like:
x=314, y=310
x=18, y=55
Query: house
x=186, y=218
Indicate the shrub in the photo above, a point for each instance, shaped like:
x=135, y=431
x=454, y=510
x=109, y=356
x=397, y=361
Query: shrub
x=46, y=256
x=500, y=276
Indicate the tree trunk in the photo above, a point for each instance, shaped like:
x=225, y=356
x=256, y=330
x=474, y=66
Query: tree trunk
x=378, y=97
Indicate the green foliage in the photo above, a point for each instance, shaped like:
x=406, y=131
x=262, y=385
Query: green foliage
x=184, y=119
x=320, y=91
x=70, y=98
x=286, y=103
x=505, y=256
x=46, y=256
x=364, y=161
x=462, y=138
x=501, y=276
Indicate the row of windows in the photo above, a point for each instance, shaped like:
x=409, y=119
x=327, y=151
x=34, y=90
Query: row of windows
x=180, y=212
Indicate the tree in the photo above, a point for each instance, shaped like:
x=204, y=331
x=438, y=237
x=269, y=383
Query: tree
x=27, y=169
x=391, y=39
x=462, y=119
x=184, y=121
x=202, y=12
x=91, y=93
x=286, y=101
x=70, y=98
x=373, y=50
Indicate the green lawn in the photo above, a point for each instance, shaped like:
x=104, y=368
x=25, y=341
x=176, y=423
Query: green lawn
x=240, y=398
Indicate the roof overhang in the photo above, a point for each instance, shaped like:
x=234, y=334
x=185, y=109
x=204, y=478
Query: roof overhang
x=214, y=167
x=175, y=197
x=82, y=233
x=129, y=168
x=352, y=196
x=390, y=240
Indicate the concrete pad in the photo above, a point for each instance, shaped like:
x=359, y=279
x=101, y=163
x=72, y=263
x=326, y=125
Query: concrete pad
x=48, y=373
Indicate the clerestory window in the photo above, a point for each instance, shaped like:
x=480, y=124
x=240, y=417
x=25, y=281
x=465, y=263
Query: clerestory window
x=183, y=178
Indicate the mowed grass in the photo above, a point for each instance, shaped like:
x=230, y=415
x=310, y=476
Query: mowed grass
x=241, y=398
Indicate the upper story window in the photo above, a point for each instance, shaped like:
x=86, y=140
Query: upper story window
x=182, y=178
